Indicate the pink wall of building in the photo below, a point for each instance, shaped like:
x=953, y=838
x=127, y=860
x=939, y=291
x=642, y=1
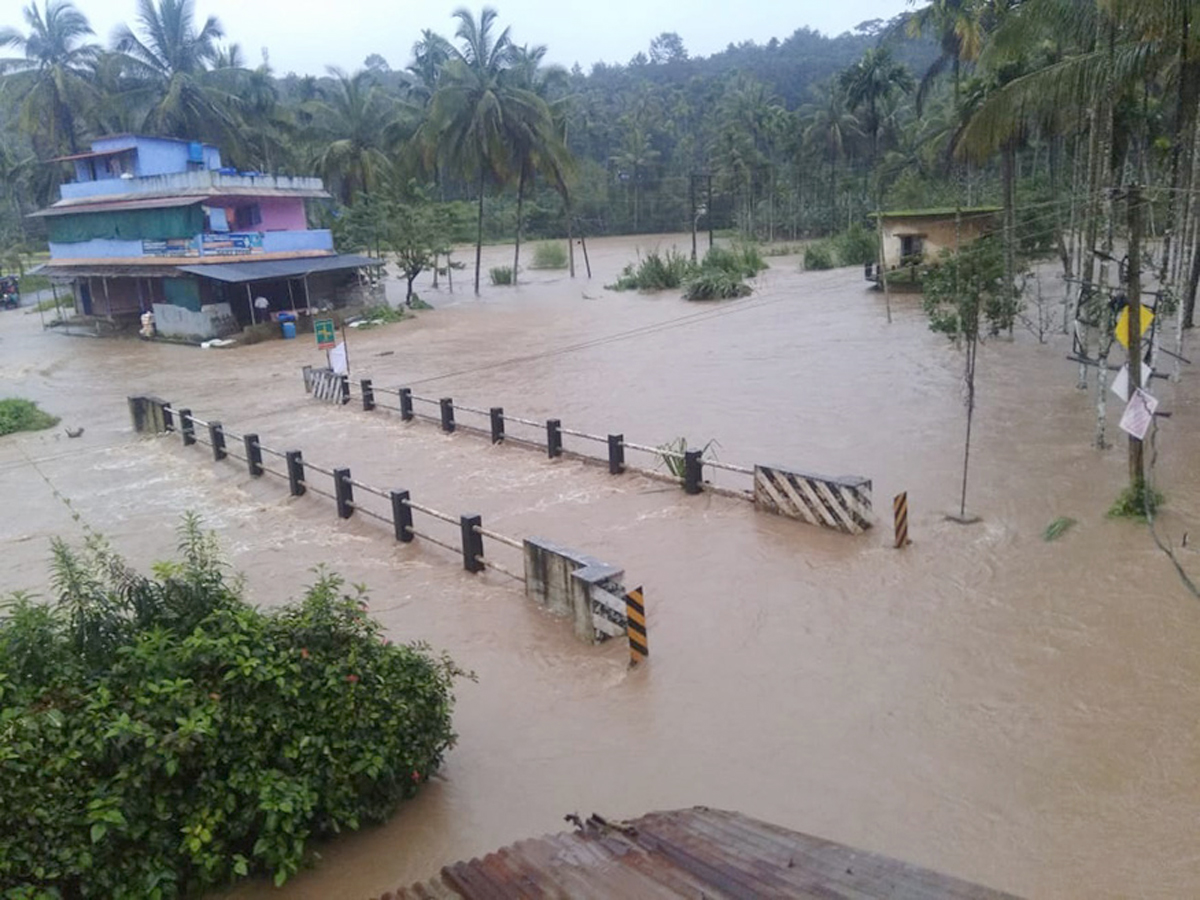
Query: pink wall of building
x=282, y=214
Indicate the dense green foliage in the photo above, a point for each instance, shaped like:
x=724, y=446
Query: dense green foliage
x=819, y=255
x=158, y=735
x=501, y=274
x=17, y=414
x=964, y=290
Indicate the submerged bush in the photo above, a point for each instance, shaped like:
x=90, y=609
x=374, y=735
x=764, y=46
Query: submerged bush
x=655, y=272
x=549, y=255
x=159, y=736
x=742, y=260
x=501, y=275
x=714, y=284
x=1138, y=503
x=23, y=415
x=818, y=255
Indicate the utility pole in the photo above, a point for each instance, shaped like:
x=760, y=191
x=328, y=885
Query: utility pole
x=692, y=207
x=709, y=213
x=1134, y=291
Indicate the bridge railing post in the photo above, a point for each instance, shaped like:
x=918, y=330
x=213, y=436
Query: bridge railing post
x=295, y=470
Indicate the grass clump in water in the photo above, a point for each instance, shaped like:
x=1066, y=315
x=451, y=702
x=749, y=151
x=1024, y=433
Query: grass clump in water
x=715, y=284
x=655, y=272
x=17, y=414
x=501, y=275
x=1135, y=502
x=743, y=259
x=1057, y=528
x=549, y=255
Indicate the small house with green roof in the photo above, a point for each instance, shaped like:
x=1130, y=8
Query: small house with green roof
x=915, y=236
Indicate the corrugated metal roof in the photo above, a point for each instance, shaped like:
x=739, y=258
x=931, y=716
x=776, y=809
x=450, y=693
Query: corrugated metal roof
x=691, y=853
x=236, y=273
x=103, y=270
x=116, y=206
x=91, y=154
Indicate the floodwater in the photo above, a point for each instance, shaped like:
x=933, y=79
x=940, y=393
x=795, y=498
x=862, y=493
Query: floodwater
x=1016, y=712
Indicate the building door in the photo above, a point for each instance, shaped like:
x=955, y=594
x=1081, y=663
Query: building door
x=85, y=296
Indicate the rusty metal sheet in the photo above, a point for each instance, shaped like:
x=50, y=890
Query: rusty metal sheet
x=689, y=853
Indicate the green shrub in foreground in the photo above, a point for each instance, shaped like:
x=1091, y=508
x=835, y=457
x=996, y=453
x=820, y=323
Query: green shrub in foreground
x=818, y=255
x=23, y=415
x=501, y=274
x=159, y=736
x=549, y=255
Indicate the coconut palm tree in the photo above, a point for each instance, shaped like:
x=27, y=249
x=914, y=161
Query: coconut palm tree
x=538, y=150
x=478, y=110
x=170, y=63
x=50, y=78
x=430, y=53
x=870, y=82
x=830, y=127
x=957, y=26
x=358, y=125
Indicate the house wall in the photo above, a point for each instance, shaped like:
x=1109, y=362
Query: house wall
x=939, y=234
x=283, y=214
x=273, y=242
x=97, y=248
x=157, y=156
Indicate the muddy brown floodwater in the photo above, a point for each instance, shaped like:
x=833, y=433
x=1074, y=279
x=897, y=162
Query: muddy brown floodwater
x=1010, y=711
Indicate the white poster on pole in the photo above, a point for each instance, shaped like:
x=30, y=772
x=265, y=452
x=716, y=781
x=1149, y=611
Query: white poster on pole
x=1120, y=385
x=1139, y=413
x=337, y=360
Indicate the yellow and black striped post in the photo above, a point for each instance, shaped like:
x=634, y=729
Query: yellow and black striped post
x=635, y=614
x=900, y=511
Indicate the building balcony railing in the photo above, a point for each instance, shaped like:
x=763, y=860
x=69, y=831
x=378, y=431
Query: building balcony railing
x=202, y=246
x=200, y=182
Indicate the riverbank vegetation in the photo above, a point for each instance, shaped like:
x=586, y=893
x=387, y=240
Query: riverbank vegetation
x=720, y=274
x=17, y=414
x=161, y=736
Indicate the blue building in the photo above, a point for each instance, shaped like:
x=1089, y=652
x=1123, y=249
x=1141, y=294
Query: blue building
x=158, y=224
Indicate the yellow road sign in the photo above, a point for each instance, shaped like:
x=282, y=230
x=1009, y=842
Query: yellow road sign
x=1121, y=332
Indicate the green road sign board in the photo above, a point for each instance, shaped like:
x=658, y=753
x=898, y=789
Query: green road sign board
x=326, y=337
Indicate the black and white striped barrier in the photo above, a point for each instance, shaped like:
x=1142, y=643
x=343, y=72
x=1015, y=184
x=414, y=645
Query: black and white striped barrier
x=843, y=504
x=325, y=384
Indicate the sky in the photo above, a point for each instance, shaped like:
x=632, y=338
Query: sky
x=305, y=36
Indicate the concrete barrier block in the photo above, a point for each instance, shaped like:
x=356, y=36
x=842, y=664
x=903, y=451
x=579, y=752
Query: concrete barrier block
x=842, y=503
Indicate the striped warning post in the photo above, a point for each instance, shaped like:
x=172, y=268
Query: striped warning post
x=635, y=614
x=900, y=514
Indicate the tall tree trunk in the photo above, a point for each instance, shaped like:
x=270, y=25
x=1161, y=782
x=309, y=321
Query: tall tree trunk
x=570, y=238
x=479, y=231
x=1008, y=163
x=520, y=202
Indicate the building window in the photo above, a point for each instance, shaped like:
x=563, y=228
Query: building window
x=248, y=217
x=912, y=249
